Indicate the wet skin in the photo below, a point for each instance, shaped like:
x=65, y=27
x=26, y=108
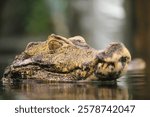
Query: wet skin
x=59, y=59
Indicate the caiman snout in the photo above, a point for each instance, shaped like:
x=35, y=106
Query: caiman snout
x=113, y=61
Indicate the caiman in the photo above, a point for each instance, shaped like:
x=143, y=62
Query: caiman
x=59, y=59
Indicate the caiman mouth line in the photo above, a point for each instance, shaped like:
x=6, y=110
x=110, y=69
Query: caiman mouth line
x=51, y=67
x=46, y=67
x=55, y=75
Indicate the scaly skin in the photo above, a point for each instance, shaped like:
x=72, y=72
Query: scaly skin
x=59, y=59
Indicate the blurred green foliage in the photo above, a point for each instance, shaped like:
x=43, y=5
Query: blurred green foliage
x=38, y=17
x=38, y=20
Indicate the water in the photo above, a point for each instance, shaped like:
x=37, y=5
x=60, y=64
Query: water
x=134, y=85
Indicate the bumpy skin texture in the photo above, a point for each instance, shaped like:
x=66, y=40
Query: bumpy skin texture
x=59, y=59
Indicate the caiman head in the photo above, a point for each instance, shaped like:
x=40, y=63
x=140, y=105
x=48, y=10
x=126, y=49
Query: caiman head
x=59, y=59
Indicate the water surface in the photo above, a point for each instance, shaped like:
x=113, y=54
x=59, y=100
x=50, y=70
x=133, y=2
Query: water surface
x=134, y=85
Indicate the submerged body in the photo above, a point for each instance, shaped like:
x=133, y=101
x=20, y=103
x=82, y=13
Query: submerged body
x=59, y=59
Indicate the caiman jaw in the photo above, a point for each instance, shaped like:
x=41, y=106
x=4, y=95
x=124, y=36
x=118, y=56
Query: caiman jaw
x=26, y=70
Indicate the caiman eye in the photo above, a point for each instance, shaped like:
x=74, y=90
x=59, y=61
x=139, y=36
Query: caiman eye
x=53, y=45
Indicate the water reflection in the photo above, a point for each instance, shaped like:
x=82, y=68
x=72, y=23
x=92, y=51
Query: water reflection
x=31, y=89
x=135, y=85
x=138, y=84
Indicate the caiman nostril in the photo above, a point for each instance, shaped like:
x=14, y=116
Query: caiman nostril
x=123, y=59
